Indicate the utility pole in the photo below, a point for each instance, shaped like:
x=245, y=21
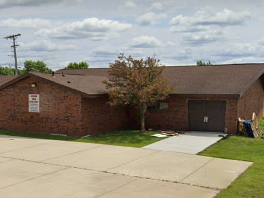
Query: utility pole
x=14, y=37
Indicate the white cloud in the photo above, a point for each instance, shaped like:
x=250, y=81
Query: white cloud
x=25, y=23
x=222, y=18
x=261, y=41
x=129, y=5
x=204, y=37
x=206, y=26
x=251, y=59
x=55, y=65
x=11, y=3
x=146, y=42
x=239, y=50
x=179, y=54
x=157, y=6
x=106, y=50
x=91, y=28
x=99, y=61
x=216, y=34
x=198, y=28
x=151, y=18
x=205, y=18
x=45, y=45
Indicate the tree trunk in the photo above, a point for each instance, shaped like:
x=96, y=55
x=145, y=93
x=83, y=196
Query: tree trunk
x=143, y=109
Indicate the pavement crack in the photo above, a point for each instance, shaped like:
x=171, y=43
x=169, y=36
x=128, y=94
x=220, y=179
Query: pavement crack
x=116, y=188
x=196, y=170
x=25, y=148
x=87, y=149
x=132, y=160
x=33, y=178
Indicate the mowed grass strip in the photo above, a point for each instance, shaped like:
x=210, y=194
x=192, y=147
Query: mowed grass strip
x=130, y=138
x=251, y=183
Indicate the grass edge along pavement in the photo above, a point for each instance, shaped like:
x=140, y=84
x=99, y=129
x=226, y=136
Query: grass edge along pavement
x=250, y=183
x=129, y=138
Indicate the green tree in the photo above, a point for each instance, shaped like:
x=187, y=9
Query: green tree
x=36, y=66
x=137, y=83
x=8, y=71
x=80, y=65
x=202, y=63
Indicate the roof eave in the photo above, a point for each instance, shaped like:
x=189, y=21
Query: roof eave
x=15, y=80
x=102, y=95
x=251, y=83
x=222, y=96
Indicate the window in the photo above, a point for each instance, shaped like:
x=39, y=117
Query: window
x=159, y=106
x=163, y=105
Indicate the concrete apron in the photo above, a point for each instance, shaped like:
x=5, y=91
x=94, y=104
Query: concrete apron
x=190, y=142
x=58, y=169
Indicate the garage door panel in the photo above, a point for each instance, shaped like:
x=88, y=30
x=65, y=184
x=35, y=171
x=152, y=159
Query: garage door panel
x=196, y=115
x=216, y=116
x=207, y=115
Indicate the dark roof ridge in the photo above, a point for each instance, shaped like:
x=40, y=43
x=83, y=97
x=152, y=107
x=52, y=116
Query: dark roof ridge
x=168, y=66
x=219, y=65
x=60, y=74
x=84, y=69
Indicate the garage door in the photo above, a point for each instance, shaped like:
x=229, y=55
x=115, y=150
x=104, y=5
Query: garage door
x=207, y=115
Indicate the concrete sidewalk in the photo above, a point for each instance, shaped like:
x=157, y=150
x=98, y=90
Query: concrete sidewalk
x=190, y=142
x=58, y=169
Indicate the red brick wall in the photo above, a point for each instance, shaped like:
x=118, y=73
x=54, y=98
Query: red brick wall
x=251, y=101
x=177, y=115
x=60, y=108
x=99, y=117
x=231, y=116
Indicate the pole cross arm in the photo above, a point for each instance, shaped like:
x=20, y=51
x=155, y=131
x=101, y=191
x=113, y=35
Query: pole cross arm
x=14, y=37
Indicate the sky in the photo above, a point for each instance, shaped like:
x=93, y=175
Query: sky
x=178, y=32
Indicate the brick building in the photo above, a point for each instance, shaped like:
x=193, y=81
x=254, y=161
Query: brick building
x=74, y=102
x=67, y=104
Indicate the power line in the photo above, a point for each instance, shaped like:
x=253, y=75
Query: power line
x=14, y=37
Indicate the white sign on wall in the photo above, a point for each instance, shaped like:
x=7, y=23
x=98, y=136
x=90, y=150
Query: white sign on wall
x=33, y=103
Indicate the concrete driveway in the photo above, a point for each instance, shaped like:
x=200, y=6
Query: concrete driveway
x=31, y=168
x=190, y=142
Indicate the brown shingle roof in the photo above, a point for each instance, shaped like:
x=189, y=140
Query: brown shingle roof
x=226, y=79
x=205, y=80
x=88, y=72
x=201, y=80
x=87, y=84
x=90, y=85
x=5, y=79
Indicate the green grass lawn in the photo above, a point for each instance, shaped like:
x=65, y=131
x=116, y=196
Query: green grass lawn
x=131, y=138
x=251, y=183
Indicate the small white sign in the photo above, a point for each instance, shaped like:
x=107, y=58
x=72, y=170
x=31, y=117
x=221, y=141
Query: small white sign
x=33, y=103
